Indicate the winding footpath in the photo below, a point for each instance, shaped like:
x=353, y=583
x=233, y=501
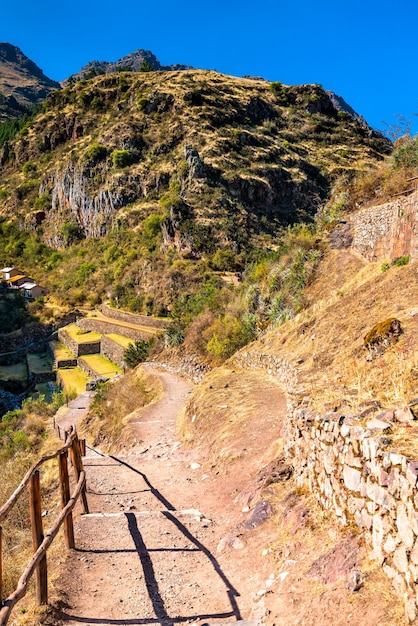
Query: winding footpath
x=146, y=552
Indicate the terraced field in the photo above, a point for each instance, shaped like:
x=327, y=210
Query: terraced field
x=101, y=365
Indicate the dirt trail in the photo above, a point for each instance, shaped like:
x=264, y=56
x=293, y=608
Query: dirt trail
x=146, y=553
x=167, y=540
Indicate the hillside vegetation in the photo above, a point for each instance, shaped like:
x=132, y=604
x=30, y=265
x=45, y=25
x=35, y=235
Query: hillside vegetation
x=180, y=194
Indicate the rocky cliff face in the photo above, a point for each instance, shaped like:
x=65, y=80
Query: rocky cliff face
x=21, y=80
x=222, y=160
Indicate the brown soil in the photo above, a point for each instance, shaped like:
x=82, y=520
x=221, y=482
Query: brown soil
x=168, y=539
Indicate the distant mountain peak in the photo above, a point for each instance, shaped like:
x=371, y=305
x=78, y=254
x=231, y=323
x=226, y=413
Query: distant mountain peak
x=132, y=61
x=21, y=78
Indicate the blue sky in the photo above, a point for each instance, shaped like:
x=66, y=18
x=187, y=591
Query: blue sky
x=366, y=51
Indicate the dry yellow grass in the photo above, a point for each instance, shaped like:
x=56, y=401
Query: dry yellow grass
x=113, y=404
x=102, y=365
x=73, y=381
x=80, y=335
x=61, y=352
x=120, y=339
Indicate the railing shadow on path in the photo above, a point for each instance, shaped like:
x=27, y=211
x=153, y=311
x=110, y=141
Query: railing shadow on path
x=152, y=586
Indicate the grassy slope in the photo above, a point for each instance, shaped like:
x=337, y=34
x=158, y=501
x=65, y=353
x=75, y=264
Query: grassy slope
x=325, y=342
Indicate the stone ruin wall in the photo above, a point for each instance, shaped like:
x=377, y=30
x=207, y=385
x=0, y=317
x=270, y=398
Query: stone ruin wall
x=113, y=351
x=78, y=349
x=102, y=327
x=133, y=318
x=388, y=231
x=352, y=470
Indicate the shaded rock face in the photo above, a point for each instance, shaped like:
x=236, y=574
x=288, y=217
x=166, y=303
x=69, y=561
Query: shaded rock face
x=92, y=213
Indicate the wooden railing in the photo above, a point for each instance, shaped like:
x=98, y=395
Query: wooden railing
x=41, y=542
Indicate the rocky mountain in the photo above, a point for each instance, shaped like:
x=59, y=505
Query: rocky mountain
x=22, y=82
x=155, y=170
x=228, y=157
x=133, y=62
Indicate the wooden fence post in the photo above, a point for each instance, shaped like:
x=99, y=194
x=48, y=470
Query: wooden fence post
x=38, y=537
x=1, y=565
x=65, y=498
x=83, y=447
x=78, y=467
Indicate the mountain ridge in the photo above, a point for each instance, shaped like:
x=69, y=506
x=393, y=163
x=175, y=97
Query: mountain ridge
x=21, y=78
x=134, y=61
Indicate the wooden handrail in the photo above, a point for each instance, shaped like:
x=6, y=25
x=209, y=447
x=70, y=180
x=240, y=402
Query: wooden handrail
x=41, y=543
x=40, y=553
x=4, y=510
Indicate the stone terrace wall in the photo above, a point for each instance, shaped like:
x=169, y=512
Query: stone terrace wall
x=59, y=363
x=78, y=349
x=99, y=326
x=352, y=471
x=113, y=351
x=388, y=231
x=140, y=320
x=271, y=364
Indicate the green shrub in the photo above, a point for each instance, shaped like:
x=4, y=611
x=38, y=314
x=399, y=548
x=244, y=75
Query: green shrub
x=121, y=158
x=96, y=153
x=30, y=169
x=228, y=336
x=174, y=335
x=43, y=202
x=225, y=260
x=96, y=103
x=146, y=66
x=25, y=188
x=142, y=103
x=136, y=353
x=85, y=270
x=71, y=232
x=385, y=266
x=403, y=260
x=406, y=155
x=280, y=92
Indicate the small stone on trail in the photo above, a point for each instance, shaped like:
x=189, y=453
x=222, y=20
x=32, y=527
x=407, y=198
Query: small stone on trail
x=355, y=580
x=194, y=466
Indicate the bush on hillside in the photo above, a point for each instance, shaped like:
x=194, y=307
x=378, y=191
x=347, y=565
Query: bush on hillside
x=136, y=353
x=121, y=158
x=406, y=155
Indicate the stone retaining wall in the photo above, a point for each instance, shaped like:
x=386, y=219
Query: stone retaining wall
x=59, y=363
x=348, y=463
x=113, y=351
x=388, y=231
x=86, y=368
x=78, y=349
x=353, y=472
x=99, y=326
x=273, y=365
x=132, y=318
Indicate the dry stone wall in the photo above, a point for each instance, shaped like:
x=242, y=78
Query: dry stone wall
x=78, y=349
x=99, y=326
x=388, y=231
x=353, y=472
x=140, y=320
x=113, y=351
x=350, y=465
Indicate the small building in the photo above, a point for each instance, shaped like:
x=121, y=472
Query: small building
x=9, y=272
x=15, y=282
x=32, y=290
